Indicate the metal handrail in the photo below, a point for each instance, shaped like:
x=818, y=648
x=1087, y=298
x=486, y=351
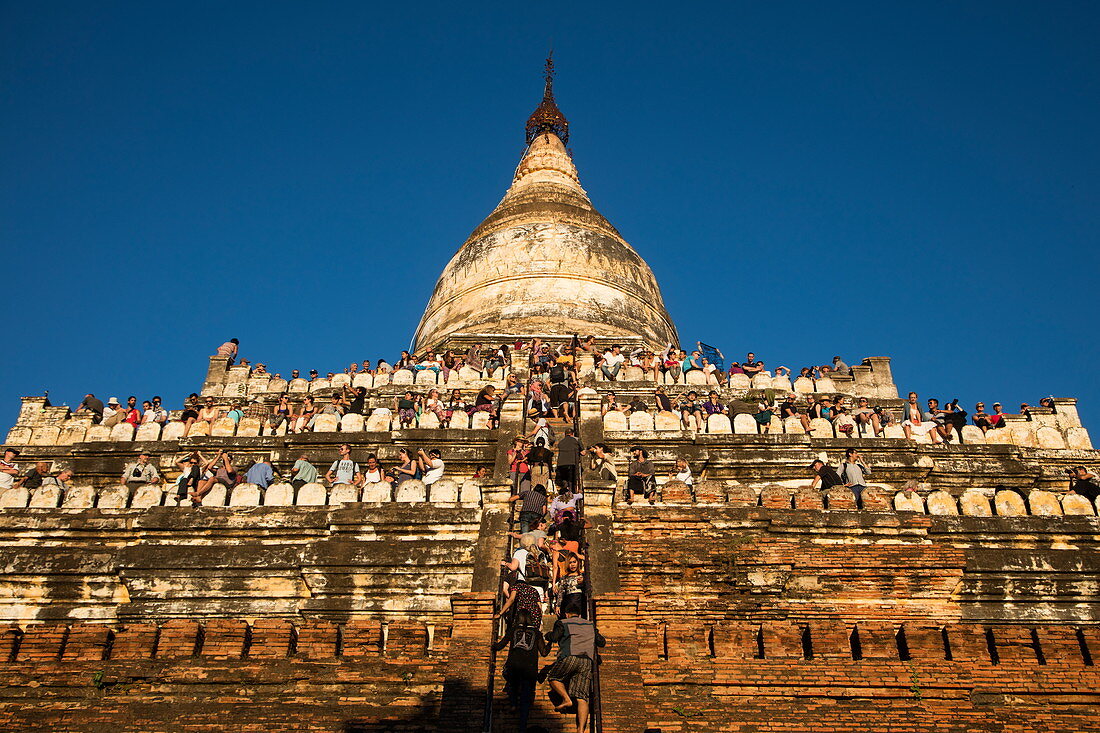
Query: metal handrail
x=487, y=721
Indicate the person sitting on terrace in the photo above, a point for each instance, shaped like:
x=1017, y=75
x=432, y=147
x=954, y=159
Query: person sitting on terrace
x=190, y=412
x=823, y=408
x=854, y=473
x=405, y=407
x=383, y=367
x=405, y=362
x=213, y=474
x=864, y=415
x=839, y=367
x=433, y=404
x=637, y=404
x=374, y=472
x=365, y=367
x=229, y=349
x=1084, y=482
x=691, y=412
x=599, y=456
x=9, y=471
x=650, y=366
x=209, y=412
x=612, y=362
x=790, y=409
x=354, y=400
x=408, y=468
x=303, y=472
x=825, y=476
x=156, y=413
x=313, y=375
x=954, y=419
x=334, y=407
x=735, y=368
x=501, y=358
x=538, y=403
x=751, y=366
x=450, y=362
x=454, y=405
x=763, y=415
x=692, y=363
x=640, y=476
x=844, y=423
x=482, y=472
x=131, y=413
x=712, y=406
x=486, y=401
x=60, y=479
x=682, y=472
x=1025, y=409
x=280, y=413
x=571, y=675
x=112, y=413
x=669, y=363
x=662, y=400
x=936, y=415
x=352, y=369
x=997, y=419
x=93, y=406
x=140, y=473
x=261, y=473
x=917, y=422
x=611, y=404
x=431, y=465
x=429, y=363
x=710, y=370
x=512, y=385
x=304, y=419
x=235, y=413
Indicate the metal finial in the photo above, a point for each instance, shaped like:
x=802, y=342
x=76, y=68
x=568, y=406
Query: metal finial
x=547, y=117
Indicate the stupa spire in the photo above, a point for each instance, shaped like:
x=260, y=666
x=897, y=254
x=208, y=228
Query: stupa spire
x=547, y=117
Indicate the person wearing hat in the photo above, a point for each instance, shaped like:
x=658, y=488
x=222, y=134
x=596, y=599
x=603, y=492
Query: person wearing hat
x=112, y=413
x=9, y=471
x=997, y=419
x=825, y=476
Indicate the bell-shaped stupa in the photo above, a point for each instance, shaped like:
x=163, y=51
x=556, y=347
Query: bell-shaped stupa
x=545, y=262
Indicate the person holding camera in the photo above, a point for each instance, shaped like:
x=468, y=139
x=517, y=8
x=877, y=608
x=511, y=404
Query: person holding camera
x=141, y=473
x=1084, y=482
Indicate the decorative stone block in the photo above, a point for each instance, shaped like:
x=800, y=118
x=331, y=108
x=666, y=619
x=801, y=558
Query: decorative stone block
x=444, y=491
x=95, y=434
x=277, y=385
x=223, y=426
x=198, y=428
x=312, y=495
x=246, y=495
x=427, y=377
x=468, y=374
x=122, y=432
x=641, y=421
x=632, y=374
x=975, y=504
x=782, y=385
x=666, y=420
x=147, y=496
x=114, y=497
x=1078, y=438
x=710, y=492
x=401, y=376
x=695, y=377
x=45, y=435
x=909, y=501
x=363, y=379
x=343, y=494
x=377, y=492
x=428, y=421
x=78, y=497
x=480, y=421
x=614, y=421
x=825, y=385
x=740, y=381
x=821, y=428
x=807, y=498
x=1048, y=437
x=216, y=496
x=470, y=493
x=1044, y=504
x=339, y=381
x=72, y=432
x=45, y=497
x=1077, y=505
x=1000, y=436
x=148, y=431
x=840, y=498
x=676, y=492
x=942, y=503
x=298, y=386
x=279, y=495
x=379, y=421
x=895, y=432
x=352, y=423
x=775, y=426
x=762, y=381
x=236, y=391
x=15, y=497
x=459, y=421
x=1008, y=503
x=1023, y=434
x=325, y=423
x=877, y=499
x=774, y=496
x=411, y=491
x=793, y=426
x=719, y=423
x=249, y=427
x=745, y=425
x=319, y=386
x=804, y=385
x=973, y=435
x=173, y=431
x=257, y=385
x=381, y=380
x=741, y=496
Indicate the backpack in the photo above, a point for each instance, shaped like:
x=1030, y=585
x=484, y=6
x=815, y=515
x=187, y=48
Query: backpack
x=535, y=571
x=557, y=373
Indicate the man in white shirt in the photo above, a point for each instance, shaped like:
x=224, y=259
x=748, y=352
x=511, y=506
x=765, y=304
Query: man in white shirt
x=612, y=362
x=344, y=470
x=431, y=463
x=8, y=470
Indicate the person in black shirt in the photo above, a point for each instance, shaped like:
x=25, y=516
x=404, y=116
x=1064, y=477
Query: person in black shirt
x=824, y=475
x=33, y=478
x=1083, y=482
x=521, y=670
x=569, y=459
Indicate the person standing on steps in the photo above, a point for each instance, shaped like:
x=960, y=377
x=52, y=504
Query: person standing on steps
x=569, y=460
x=571, y=675
x=525, y=644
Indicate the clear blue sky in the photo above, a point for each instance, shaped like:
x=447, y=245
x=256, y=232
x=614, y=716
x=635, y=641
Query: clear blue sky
x=806, y=179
